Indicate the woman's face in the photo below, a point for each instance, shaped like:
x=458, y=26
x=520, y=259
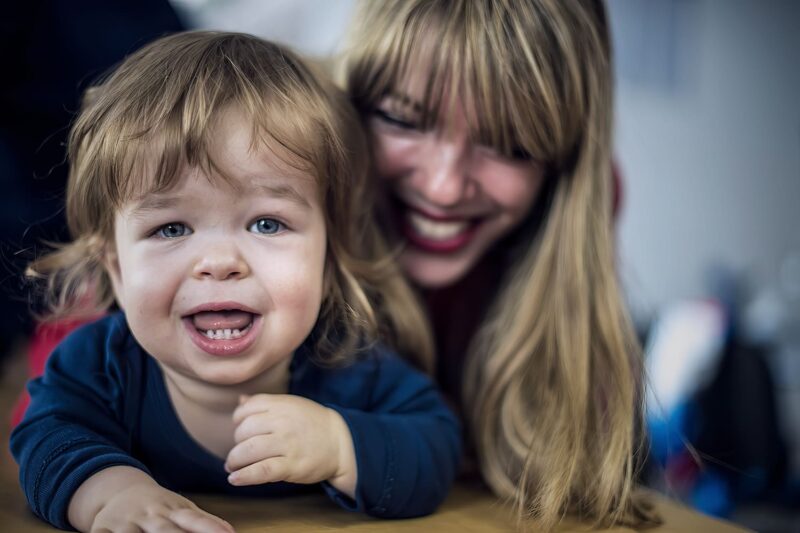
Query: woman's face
x=453, y=198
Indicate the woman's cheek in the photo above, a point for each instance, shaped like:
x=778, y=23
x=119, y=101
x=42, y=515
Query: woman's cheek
x=512, y=186
x=394, y=155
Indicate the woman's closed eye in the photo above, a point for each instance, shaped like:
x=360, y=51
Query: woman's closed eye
x=173, y=230
x=520, y=154
x=396, y=121
x=267, y=226
x=517, y=154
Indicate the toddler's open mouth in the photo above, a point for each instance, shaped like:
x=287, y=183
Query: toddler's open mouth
x=222, y=328
x=223, y=325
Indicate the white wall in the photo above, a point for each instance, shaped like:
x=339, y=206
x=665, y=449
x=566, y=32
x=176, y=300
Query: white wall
x=708, y=138
x=314, y=27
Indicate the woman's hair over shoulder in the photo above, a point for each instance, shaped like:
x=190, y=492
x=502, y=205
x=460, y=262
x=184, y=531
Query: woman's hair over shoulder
x=552, y=390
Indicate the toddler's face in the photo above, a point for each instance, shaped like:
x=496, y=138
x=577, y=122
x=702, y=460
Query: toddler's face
x=221, y=283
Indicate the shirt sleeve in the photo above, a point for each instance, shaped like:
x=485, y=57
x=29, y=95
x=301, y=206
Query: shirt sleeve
x=74, y=425
x=407, y=444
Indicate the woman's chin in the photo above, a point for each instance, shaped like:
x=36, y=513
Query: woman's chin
x=431, y=272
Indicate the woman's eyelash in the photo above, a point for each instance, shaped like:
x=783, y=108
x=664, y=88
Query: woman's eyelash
x=520, y=153
x=394, y=120
x=517, y=153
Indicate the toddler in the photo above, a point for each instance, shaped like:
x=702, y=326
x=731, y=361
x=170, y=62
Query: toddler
x=218, y=195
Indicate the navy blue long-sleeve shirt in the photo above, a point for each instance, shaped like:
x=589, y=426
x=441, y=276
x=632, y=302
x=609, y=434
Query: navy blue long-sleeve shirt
x=102, y=402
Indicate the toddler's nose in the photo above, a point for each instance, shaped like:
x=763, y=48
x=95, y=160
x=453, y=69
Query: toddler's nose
x=221, y=263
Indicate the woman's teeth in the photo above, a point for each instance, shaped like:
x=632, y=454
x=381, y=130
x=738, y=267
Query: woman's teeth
x=436, y=229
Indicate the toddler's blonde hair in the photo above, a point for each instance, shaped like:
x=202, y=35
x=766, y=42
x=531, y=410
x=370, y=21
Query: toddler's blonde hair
x=161, y=105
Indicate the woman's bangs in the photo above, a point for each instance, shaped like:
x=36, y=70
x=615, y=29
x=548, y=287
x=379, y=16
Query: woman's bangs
x=462, y=66
x=515, y=108
x=390, y=56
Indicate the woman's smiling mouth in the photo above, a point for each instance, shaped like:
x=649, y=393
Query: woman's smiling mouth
x=434, y=234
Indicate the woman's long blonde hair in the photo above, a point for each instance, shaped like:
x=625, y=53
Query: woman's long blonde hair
x=154, y=115
x=552, y=387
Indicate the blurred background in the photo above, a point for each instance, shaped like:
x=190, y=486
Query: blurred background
x=708, y=147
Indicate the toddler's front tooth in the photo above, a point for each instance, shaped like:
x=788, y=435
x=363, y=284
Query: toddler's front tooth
x=210, y=334
x=236, y=333
x=227, y=334
x=219, y=334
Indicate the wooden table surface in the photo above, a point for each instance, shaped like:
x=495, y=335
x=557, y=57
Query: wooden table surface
x=467, y=509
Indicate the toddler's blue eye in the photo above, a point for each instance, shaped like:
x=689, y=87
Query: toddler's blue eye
x=173, y=230
x=266, y=226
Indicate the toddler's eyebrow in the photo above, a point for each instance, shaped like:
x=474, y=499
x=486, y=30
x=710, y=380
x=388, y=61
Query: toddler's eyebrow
x=283, y=191
x=153, y=202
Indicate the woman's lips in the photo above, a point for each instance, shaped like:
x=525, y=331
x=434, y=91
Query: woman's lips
x=224, y=342
x=437, y=235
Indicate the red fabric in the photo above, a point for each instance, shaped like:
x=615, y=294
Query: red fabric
x=45, y=338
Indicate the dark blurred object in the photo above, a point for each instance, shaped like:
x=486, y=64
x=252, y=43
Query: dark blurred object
x=738, y=425
x=50, y=51
x=723, y=443
x=737, y=412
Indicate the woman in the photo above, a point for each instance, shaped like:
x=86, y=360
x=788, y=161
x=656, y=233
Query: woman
x=491, y=124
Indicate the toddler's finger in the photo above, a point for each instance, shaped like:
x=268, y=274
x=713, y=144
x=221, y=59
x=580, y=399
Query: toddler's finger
x=199, y=521
x=251, y=451
x=253, y=404
x=127, y=528
x=256, y=424
x=266, y=471
x=157, y=524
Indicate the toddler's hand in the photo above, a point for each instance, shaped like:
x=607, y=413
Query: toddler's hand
x=282, y=437
x=152, y=508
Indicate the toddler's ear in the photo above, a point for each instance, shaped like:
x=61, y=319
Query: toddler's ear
x=111, y=264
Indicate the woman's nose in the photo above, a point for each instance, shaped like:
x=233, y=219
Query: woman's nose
x=442, y=176
x=221, y=262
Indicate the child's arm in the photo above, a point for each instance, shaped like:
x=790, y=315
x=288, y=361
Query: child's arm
x=407, y=444
x=74, y=445
x=388, y=444
x=119, y=497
